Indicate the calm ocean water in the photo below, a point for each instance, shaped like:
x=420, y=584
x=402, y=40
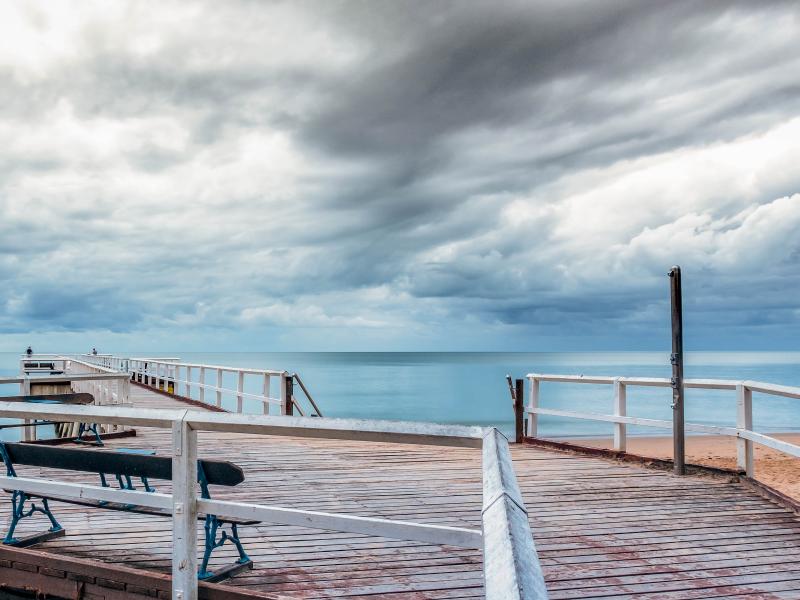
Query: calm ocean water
x=470, y=388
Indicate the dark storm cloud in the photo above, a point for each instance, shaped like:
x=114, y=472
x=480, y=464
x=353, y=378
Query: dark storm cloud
x=493, y=66
x=523, y=163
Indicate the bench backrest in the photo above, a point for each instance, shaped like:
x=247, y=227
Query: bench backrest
x=39, y=365
x=217, y=472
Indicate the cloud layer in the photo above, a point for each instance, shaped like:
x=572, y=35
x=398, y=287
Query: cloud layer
x=346, y=175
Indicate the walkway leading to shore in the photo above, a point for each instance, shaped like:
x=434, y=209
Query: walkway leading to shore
x=603, y=529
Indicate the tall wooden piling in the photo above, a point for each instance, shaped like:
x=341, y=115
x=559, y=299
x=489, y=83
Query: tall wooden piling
x=678, y=436
x=519, y=410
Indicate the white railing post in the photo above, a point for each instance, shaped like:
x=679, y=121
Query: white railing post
x=184, y=511
x=219, y=388
x=25, y=390
x=202, y=384
x=744, y=420
x=239, y=390
x=188, y=388
x=533, y=418
x=620, y=429
x=176, y=371
x=265, y=391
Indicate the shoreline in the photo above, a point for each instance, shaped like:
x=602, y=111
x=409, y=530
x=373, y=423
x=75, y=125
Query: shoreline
x=776, y=469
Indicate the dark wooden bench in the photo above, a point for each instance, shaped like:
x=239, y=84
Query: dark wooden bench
x=79, y=399
x=124, y=465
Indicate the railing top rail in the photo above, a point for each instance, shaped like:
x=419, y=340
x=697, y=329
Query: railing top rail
x=65, y=378
x=344, y=429
x=773, y=389
x=709, y=384
x=511, y=564
x=95, y=366
x=229, y=369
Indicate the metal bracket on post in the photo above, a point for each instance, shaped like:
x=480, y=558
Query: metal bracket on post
x=678, y=434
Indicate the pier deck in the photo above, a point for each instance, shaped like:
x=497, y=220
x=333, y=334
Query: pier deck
x=603, y=529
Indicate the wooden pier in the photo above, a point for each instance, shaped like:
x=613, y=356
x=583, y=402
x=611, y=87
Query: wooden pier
x=603, y=528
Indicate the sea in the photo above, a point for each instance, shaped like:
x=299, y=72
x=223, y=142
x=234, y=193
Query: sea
x=470, y=387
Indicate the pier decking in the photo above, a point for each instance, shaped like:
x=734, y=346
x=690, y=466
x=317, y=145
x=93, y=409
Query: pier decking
x=603, y=529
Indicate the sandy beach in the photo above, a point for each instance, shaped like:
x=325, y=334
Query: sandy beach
x=773, y=468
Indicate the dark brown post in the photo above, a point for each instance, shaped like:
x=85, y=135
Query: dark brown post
x=519, y=410
x=289, y=383
x=678, y=437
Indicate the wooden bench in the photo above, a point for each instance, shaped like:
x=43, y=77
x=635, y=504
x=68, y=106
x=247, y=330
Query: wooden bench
x=124, y=465
x=79, y=399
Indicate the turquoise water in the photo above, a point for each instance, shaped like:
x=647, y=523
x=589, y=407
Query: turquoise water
x=470, y=388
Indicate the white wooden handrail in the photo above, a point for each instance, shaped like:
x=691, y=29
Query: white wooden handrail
x=174, y=376
x=743, y=432
x=106, y=385
x=511, y=566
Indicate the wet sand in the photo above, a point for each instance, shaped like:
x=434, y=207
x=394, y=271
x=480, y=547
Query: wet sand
x=774, y=468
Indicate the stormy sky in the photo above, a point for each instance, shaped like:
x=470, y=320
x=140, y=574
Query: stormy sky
x=398, y=175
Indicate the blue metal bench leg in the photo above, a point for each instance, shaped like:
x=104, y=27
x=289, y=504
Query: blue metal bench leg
x=243, y=558
x=18, y=513
x=212, y=528
x=88, y=427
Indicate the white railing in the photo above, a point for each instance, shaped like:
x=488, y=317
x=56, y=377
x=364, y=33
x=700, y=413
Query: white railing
x=743, y=432
x=183, y=379
x=205, y=383
x=107, y=386
x=511, y=566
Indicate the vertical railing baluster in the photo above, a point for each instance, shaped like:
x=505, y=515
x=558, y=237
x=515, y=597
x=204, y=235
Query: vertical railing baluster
x=219, y=388
x=620, y=410
x=533, y=418
x=202, y=384
x=239, y=390
x=744, y=420
x=265, y=392
x=188, y=381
